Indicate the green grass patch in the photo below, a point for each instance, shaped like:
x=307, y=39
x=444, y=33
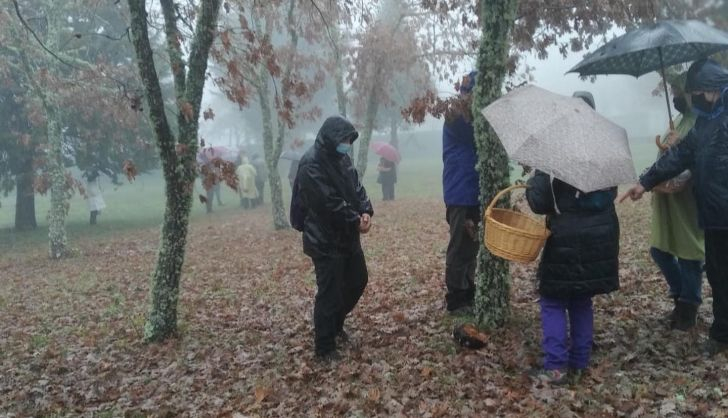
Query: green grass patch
x=38, y=341
x=140, y=204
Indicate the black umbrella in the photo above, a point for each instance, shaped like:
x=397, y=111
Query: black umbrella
x=654, y=47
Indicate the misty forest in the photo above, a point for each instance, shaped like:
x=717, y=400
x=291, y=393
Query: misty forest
x=358, y=208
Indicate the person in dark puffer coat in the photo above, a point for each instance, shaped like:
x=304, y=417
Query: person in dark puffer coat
x=580, y=260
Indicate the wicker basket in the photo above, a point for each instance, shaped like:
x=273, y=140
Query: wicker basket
x=513, y=235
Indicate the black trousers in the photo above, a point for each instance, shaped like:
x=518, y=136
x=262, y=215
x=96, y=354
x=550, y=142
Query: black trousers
x=716, y=268
x=461, y=256
x=341, y=280
x=387, y=191
x=247, y=203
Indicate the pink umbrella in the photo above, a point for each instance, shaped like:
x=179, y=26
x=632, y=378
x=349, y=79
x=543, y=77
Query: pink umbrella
x=205, y=155
x=386, y=151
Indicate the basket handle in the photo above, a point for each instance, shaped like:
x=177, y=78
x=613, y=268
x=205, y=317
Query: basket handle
x=501, y=193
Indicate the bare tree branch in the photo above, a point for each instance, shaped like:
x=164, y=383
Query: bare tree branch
x=40, y=42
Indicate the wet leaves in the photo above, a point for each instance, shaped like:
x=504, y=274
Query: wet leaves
x=70, y=341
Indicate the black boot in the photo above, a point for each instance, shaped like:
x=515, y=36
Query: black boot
x=672, y=316
x=687, y=316
x=94, y=214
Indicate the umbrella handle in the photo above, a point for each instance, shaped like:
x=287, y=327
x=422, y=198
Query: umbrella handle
x=660, y=145
x=500, y=194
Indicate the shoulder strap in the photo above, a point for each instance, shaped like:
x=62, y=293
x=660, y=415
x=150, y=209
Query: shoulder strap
x=553, y=195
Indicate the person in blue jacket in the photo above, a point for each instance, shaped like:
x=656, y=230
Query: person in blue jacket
x=705, y=152
x=461, y=188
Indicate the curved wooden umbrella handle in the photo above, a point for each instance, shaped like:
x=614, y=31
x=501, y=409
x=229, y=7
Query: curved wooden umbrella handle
x=660, y=145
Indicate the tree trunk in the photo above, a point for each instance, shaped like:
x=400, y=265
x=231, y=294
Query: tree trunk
x=25, y=196
x=492, y=277
x=58, y=245
x=393, y=132
x=162, y=318
x=57, y=240
x=366, y=135
x=280, y=220
x=178, y=157
x=341, y=100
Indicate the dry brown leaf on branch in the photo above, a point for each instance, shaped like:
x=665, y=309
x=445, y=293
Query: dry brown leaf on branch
x=129, y=169
x=188, y=111
x=208, y=114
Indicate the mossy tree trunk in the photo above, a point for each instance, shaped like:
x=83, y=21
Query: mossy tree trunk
x=366, y=135
x=24, y=194
x=394, y=131
x=272, y=145
x=341, y=99
x=177, y=152
x=57, y=238
x=58, y=241
x=493, y=282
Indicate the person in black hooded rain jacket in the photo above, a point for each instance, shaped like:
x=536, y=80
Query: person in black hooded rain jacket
x=705, y=152
x=337, y=212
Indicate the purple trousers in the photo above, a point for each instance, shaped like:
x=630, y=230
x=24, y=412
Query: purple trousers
x=567, y=344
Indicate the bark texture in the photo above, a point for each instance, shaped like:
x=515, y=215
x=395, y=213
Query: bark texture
x=177, y=153
x=492, y=278
x=25, y=196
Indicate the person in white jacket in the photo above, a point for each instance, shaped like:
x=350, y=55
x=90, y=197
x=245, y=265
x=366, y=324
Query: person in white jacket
x=246, y=184
x=94, y=198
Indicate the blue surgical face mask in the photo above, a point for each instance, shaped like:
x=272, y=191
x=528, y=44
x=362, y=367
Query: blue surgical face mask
x=343, y=148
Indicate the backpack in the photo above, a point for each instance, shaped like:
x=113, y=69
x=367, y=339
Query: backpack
x=297, y=214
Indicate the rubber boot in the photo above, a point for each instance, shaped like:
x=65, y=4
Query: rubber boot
x=672, y=316
x=687, y=316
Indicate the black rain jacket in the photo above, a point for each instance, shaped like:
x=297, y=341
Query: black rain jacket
x=331, y=193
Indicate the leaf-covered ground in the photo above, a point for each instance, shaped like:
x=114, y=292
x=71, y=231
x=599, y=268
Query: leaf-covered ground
x=70, y=336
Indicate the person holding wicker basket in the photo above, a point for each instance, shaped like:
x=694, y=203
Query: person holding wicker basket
x=580, y=260
x=677, y=244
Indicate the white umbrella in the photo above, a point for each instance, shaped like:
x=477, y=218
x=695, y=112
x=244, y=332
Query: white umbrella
x=562, y=136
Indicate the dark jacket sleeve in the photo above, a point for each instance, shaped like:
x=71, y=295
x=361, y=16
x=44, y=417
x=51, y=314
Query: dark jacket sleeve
x=675, y=161
x=322, y=197
x=538, y=194
x=364, y=203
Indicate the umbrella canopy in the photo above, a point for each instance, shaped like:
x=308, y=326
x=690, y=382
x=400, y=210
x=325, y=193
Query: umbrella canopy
x=205, y=155
x=653, y=47
x=562, y=136
x=386, y=151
